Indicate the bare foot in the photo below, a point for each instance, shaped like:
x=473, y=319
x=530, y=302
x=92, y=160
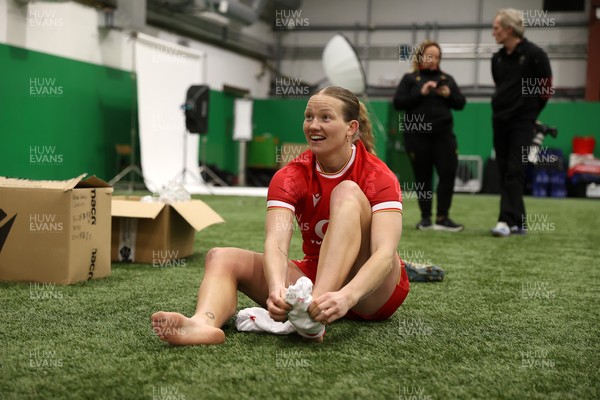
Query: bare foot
x=177, y=329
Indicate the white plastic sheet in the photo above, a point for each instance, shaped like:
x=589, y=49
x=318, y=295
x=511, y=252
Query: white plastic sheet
x=164, y=73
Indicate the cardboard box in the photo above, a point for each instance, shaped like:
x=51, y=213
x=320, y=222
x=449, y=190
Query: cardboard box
x=54, y=231
x=157, y=233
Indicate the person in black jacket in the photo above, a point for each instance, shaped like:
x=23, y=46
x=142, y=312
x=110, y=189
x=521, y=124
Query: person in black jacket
x=523, y=78
x=427, y=95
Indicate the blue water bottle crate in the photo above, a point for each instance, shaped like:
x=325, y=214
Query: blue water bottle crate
x=539, y=190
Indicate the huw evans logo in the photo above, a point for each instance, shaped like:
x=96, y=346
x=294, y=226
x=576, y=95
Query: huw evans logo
x=45, y=223
x=5, y=227
x=290, y=19
x=45, y=87
x=44, y=155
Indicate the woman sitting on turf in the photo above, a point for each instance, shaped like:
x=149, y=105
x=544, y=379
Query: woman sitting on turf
x=348, y=206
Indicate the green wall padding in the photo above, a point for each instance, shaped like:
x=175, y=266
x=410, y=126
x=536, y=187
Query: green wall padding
x=220, y=150
x=60, y=117
x=281, y=118
x=473, y=129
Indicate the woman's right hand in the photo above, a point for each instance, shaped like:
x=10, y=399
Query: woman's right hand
x=426, y=88
x=277, y=306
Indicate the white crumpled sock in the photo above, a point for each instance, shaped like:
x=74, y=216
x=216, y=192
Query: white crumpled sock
x=257, y=319
x=299, y=297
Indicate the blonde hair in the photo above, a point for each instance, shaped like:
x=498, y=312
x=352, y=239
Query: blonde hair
x=421, y=50
x=353, y=109
x=512, y=18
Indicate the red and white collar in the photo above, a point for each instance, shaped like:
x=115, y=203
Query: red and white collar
x=346, y=167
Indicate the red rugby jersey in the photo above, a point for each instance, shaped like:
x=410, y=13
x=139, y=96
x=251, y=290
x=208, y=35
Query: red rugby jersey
x=302, y=187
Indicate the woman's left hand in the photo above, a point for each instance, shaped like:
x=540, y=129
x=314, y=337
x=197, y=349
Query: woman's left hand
x=329, y=307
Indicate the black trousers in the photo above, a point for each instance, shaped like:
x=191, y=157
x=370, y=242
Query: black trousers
x=512, y=139
x=428, y=150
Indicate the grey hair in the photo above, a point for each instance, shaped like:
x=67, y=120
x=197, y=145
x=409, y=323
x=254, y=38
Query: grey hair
x=513, y=18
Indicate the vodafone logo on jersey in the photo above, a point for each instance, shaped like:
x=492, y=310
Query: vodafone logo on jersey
x=320, y=229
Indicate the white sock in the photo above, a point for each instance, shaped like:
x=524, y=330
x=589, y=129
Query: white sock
x=299, y=297
x=257, y=319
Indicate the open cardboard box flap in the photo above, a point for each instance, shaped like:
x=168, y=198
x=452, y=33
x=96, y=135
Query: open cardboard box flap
x=135, y=209
x=196, y=213
x=77, y=182
x=92, y=182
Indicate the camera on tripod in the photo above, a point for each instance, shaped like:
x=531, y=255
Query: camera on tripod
x=544, y=130
x=541, y=131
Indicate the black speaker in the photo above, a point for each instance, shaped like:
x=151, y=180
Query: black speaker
x=196, y=109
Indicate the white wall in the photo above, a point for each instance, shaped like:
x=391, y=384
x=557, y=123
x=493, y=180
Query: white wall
x=71, y=30
x=567, y=73
x=227, y=68
x=3, y=23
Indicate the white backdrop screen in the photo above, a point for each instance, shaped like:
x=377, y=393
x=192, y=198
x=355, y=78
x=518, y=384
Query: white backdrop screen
x=164, y=73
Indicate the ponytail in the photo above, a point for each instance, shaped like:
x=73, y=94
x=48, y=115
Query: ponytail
x=365, y=130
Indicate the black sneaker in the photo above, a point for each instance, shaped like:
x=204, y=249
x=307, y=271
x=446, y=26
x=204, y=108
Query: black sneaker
x=425, y=224
x=448, y=225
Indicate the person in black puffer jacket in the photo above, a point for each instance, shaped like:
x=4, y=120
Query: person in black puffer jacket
x=427, y=95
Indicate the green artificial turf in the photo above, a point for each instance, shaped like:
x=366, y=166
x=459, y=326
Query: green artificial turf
x=515, y=318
